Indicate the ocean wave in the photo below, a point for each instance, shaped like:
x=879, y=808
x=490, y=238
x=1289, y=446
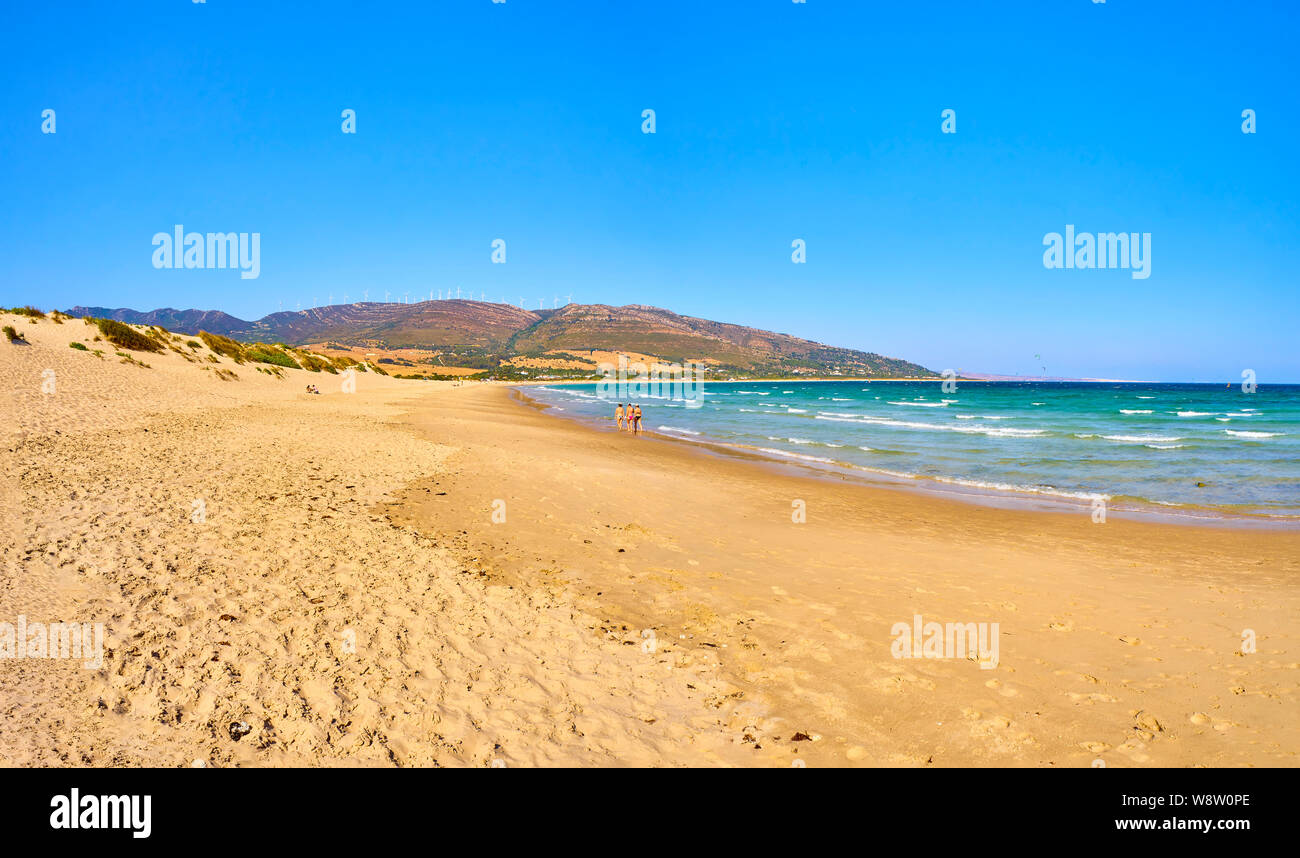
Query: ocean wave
x=991, y=431
x=1013, y=487
x=922, y=404
x=1134, y=411
x=1195, y=413
x=789, y=410
x=675, y=429
x=1166, y=446
x=1244, y=434
x=1142, y=439
x=800, y=456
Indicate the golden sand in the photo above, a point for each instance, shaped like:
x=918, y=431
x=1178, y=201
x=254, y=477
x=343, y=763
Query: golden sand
x=424, y=574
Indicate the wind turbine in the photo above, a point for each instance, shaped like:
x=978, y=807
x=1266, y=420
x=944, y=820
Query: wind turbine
x=521, y=302
x=385, y=296
x=457, y=293
x=407, y=299
x=330, y=300
x=568, y=299
x=345, y=297
x=365, y=295
x=555, y=301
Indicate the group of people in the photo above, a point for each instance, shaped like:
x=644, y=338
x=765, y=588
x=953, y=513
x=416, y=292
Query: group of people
x=628, y=419
x=311, y=388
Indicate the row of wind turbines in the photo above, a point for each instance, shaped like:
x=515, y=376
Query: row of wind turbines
x=406, y=299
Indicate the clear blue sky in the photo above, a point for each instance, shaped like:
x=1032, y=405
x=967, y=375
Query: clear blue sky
x=775, y=121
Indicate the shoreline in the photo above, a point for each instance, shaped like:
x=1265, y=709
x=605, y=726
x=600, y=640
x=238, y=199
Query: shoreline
x=1134, y=509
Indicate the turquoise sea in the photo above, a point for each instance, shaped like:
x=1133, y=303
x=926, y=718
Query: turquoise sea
x=1177, y=449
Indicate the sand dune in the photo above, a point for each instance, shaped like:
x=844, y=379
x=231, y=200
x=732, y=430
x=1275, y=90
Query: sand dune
x=246, y=619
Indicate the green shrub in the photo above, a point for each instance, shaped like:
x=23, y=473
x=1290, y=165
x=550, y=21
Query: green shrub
x=81, y=347
x=14, y=336
x=223, y=346
x=29, y=310
x=127, y=337
x=314, y=363
x=262, y=353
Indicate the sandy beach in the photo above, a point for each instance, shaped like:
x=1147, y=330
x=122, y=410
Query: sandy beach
x=420, y=574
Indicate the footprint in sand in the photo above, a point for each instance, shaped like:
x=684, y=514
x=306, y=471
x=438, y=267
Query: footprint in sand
x=1135, y=749
x=1005, y=691
x=1148, y=722
x=1061, y=626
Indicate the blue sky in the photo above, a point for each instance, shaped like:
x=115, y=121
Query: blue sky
x=775, y=121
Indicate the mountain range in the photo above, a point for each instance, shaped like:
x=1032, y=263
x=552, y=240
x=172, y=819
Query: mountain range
x=491, y=333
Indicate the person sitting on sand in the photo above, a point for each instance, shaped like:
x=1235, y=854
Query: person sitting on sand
x=618, y=416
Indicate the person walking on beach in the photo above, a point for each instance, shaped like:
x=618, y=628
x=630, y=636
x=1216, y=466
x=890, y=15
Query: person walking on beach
x=618, y=416
x=638, y=419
